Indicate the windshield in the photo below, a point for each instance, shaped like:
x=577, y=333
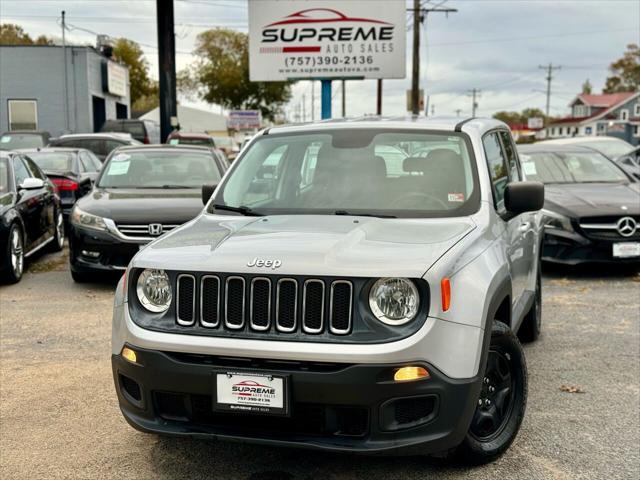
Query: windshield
x=351, y=171
x=53, y=161
x=571, y=167
x=158, y=169
x=612, y=148
x=223, y=142
x=14, y=141
x=4, y=176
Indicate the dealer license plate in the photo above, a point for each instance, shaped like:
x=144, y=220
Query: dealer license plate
x=626, y=250
x=251, y=393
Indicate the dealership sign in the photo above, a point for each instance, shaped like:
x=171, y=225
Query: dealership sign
x=244, y=119
x=114, y=78
x=292, y=39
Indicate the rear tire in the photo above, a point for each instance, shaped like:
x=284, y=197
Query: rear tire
x=502, y=401
x=532, y=323
x=14, y=255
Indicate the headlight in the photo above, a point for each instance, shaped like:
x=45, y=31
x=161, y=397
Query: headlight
x=87, y=220
x=154, y=290
x=394, y=301
x=556, y=221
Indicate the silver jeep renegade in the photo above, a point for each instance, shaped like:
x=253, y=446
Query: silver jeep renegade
x=350, y=285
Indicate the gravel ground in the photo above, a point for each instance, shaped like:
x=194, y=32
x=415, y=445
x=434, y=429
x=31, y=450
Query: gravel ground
x=59, y=417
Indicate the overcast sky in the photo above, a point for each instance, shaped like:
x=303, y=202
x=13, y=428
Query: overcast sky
x=492, y=45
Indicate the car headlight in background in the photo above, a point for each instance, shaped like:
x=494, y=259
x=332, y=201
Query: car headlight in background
x=154, y=290
x=394, y=301
x=556, y=221
x=87, y=220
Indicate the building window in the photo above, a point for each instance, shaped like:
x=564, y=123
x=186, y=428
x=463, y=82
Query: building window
x=624, y=115
x=636, y=110
x=601, y=127
x=23, y=114
x=636, y=131
x=579, y=111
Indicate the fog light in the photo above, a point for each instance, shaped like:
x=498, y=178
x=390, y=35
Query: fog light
x=88, y=253
x=129, y=355
x=410, y=373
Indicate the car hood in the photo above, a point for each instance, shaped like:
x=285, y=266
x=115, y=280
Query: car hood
x=593, y=199
x=307, y=244
x=133, y=205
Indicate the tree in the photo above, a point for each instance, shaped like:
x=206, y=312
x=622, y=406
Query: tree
x=130, y=53
x=221, y=75
x=587, y=88
x=626, y=72
x=12, y=34
x=515, y=118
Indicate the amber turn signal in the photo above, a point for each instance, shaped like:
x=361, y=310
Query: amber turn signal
x=129, y=355
x=445, y=290
x=410, y=373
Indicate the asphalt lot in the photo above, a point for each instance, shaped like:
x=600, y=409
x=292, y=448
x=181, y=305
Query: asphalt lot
x=59, y=417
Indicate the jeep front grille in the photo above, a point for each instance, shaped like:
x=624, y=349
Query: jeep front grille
x=262, y=304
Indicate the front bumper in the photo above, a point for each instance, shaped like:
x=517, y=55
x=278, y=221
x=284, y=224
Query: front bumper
x=334, y=406
x=571, y=248
x=97, y=251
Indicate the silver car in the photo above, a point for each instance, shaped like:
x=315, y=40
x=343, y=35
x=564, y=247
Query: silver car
x=338, y=292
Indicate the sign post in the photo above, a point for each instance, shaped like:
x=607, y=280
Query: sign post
x=326, y=99
x=326, y=40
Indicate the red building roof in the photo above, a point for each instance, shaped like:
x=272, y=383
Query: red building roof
x=605, y=100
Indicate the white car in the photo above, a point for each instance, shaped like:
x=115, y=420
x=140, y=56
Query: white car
x=326, y=300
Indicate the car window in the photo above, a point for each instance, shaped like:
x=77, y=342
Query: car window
x=497, y=164
x=95, y=161
x=159, y=169
x=13, y=141
x=34, y=169
x=53, y=161
x=346, y=170
x=20, y=170
x=571, y=167
x=4, y=176
x=111, y=145
x=511, y=155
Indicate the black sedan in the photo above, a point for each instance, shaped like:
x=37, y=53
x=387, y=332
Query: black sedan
x=72, y=170
x=30, y=214
x=141, y=193
x=592, y=206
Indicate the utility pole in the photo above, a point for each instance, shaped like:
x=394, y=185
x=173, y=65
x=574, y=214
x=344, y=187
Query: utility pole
x=66, y=83
x=433, y=109
x=379, y=98
x=458, y=112
x=166, y=68
x=549, y=68
x=418, y=17
x=304, y=113
x=475, y=93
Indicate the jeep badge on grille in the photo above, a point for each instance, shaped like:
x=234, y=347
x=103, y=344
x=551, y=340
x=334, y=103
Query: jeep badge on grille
x=273, y=264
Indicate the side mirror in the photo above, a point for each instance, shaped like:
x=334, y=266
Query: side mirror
x=520, y=197
x=31, y=184
x=207, y=192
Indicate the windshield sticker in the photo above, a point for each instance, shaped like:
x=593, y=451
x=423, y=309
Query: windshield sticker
x=119, y=168
x=5, y=139
x=456, y=197
x=529, y=168
x=120, y=157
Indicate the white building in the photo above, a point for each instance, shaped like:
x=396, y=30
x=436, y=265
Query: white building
x=194, y=120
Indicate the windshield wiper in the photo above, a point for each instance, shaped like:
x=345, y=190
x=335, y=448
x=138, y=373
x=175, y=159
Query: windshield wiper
x=169, y=186
x=241, y=209
x=351, y=214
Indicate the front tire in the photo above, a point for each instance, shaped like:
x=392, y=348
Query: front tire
x=80, y=277
x=502, y=402
x=14, y=255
